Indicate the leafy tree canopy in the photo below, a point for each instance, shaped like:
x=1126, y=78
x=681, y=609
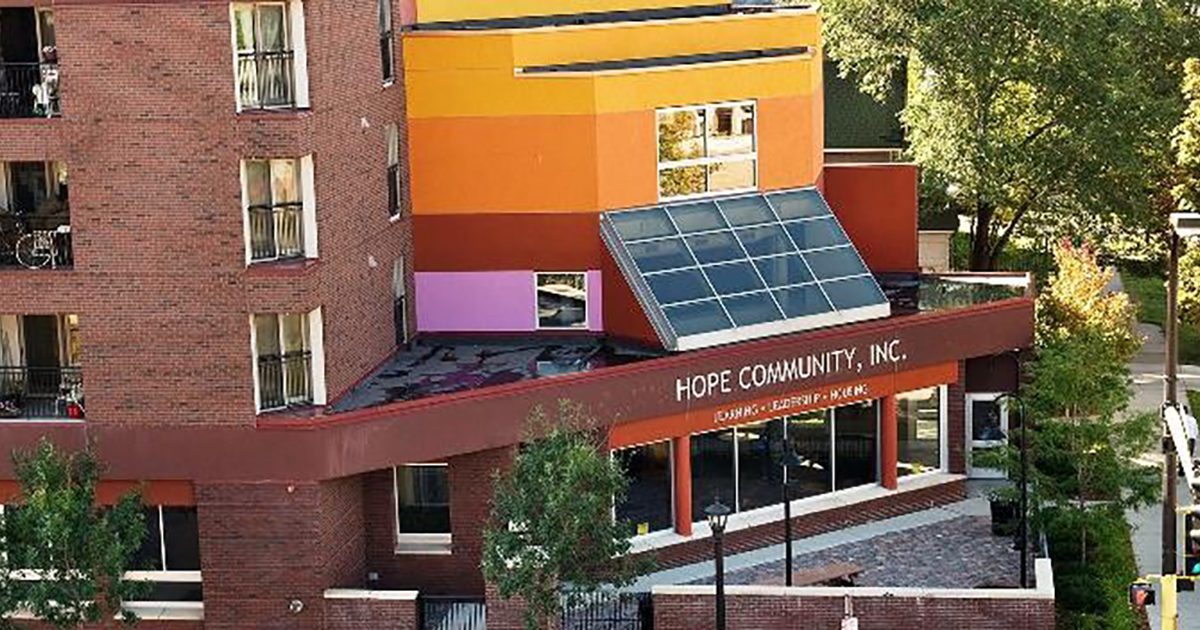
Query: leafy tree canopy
x=1039, y=117
x=80, y=549
x=551, y=522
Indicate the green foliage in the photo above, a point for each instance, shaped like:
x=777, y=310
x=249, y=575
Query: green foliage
x=551, y=522
x=1090, y=586
x=673, y=140
x=1042, y=118
x=58, y=529
x=1075, y=302
x=1186, y=142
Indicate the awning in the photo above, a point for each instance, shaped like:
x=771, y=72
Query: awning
x=719, y=271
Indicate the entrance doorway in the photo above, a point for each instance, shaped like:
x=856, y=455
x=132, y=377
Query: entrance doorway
x=987, y=425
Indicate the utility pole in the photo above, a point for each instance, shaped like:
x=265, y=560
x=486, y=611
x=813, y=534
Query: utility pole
x=1170, y=465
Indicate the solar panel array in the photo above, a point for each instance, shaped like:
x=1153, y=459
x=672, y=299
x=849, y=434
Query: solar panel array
x=736, y=268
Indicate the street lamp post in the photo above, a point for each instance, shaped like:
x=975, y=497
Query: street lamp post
x=1023, y=531
x=718, y=515
x=1183, y=225
x=790, y=461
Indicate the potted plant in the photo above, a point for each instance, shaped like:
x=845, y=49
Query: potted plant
x=1004, y=509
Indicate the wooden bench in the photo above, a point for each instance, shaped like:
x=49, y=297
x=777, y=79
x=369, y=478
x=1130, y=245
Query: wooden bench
x=834, y=574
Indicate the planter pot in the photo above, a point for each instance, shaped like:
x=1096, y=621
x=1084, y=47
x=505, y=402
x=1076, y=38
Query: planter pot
x=1004, y=517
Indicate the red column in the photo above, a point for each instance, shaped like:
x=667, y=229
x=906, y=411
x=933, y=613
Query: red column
x=888, y=444
x=681, y=453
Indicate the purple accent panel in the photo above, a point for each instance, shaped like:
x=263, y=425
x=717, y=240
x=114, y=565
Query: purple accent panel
x=595, y=314
x=486, y=301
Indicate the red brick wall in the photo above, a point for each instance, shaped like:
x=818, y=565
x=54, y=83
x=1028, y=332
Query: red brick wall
x=152, y=143
x=766, y=612
x=141, y=625
x=459, y=572
x=263, y=545
x=956, y=421
x=371, y=614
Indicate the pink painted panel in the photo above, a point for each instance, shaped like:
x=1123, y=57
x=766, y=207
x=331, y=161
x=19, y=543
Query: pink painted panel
x=486, y=301
x=595, y=314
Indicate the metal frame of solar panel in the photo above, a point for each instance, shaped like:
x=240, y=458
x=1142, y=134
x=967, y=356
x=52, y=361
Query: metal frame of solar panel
x=716, y=271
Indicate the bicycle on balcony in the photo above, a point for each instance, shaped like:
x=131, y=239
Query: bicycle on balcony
x=32, y=248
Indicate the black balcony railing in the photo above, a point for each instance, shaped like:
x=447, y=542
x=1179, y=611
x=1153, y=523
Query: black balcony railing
x=35, y=241
x=28, y=90
x=37, y=392
x=266, y=80
x=276, y=232
x=285, y=381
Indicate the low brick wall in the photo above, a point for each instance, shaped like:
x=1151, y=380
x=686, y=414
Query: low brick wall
x=354, y=609
x=779, y=608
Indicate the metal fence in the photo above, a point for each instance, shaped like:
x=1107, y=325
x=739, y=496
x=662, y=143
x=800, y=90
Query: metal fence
x=28, y=90
x=276, y=232
x=284, y=381
x=607, y=610
x=37, y=392
x=453, y=613
x=265, y=79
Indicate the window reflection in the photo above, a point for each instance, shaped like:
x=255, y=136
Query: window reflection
x=759, y=472
x=706, y=149
x=809, y=435
x=712, y=470
x=648, y=502
x=918, y=421
x=856, y=435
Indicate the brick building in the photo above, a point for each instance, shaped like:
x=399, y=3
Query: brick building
x=374, y=235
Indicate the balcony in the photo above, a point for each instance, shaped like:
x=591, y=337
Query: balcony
x=40, y=377
x=28, y=64
x=35, y=216
x=266, y=80
x=285, y=380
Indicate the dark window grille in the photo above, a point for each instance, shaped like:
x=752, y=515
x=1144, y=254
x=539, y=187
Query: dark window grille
x=285, y=381
x=40, y=392
x=276, y=232
x=266, y=79
x=607, y=610
x=28, y=90
x=386, y=56
x=393, y=175
x=459, y=613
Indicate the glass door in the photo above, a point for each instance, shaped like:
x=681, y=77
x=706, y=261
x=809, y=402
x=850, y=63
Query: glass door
x=987, y=423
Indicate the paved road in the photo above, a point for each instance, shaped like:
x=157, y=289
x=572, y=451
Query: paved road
x=1147, y=371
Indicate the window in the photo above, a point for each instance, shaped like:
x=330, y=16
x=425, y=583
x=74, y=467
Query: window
x=706, y=149
x=562, y=300
x=422, y=494
x=386, y=58
x=278, y=215
x=268, y=55
x=855, y=442
x=919, y=428
x=648, y=502
x=170, y=555
x=393, y=170
x=399, y=304
x=286, y=361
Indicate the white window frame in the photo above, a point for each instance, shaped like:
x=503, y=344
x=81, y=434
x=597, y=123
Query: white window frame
x=752, y=156
x=400, y=294
x=296, y=39
x=943, y=437
x=308, y=202
x=414, y=543
x=390, y=31
x=392, y=139
x=972, y=443
x=587, y=300
x=316, y=349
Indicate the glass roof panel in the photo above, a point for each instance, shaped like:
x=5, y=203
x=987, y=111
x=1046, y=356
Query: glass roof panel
x=754, y=308
x=697, y=318
x=640, y=224
x=679, y=286
x=735, y=270
x=738, y=277
x=715, y=247
x=799, y=204
x=817, y=233
x=697, y=217
x=661, y=255
x=827, y=264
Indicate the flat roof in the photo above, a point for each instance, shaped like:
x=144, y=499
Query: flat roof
x=436, y=365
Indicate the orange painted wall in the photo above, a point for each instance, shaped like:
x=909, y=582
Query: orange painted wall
x=582, y=163
x=877, y=204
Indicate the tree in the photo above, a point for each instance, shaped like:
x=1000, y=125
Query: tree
x=82, y=550
x=1040, y=117
x=1085, y=447
x=1186, y=192
x=551, y=522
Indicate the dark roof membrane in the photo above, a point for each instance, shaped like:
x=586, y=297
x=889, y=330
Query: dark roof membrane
x=675, y=60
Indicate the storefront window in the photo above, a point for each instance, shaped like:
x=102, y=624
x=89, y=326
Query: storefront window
x=423, y=499
x=856, y=436
x=562, y=300
x=918, y=421
x=648, y=502
x=760, y=475
x=712, y=470
x=809, y=435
